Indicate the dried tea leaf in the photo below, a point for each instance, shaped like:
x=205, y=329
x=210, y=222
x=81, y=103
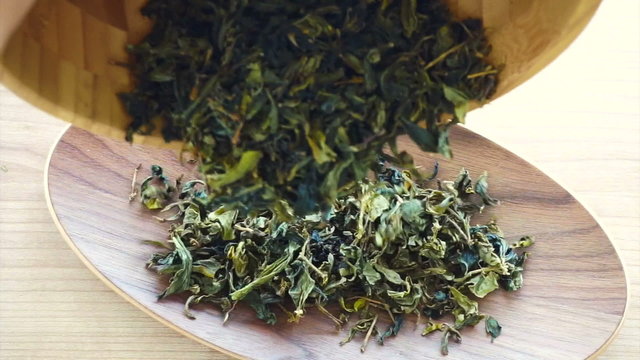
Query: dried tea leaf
x=240, y=260
x=431, y=327
x=483, y=284
x=449, y=332
x=409, y=17
x=461, y=300
x=492, y=327
x=481, y=187
x=393, y=329
x=262, y=310
x=155, y=190
x=370, y=274
x=471, y=320
x=459, y=100
x=302, y=288
x=266, y=274
x=222, y=220
x=359, y=304
x=207, y=267
x=247, y=163
x=389, y=274
x=422, y=137
x=181, y=279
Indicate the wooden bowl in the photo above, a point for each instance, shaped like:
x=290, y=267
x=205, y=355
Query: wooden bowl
x=61, y=58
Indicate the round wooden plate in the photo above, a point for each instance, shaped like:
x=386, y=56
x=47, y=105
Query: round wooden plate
x=571, y=306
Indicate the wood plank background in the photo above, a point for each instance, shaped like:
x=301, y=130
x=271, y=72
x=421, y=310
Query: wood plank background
x=578, y=120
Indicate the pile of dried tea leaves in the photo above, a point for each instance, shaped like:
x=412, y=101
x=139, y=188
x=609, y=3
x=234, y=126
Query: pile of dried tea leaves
x=388, y=248
x=288, y=103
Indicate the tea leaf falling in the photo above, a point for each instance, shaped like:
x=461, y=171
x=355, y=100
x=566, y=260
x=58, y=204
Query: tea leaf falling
x=288, y=103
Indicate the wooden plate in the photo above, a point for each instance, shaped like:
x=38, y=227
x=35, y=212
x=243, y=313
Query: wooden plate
x=571, y=306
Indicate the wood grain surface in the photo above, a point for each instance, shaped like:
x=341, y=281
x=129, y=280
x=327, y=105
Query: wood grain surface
x=61, y=58
x=88, y=185
x=578, y=120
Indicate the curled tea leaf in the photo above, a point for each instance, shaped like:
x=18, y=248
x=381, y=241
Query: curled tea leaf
x=492, y=327
x=481, y=187
x=484, y=284
x=155, y=190
x=393, y=329
x=469, y=306
x=182, y=260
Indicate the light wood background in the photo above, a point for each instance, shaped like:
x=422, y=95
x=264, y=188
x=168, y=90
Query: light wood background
x=578, y=120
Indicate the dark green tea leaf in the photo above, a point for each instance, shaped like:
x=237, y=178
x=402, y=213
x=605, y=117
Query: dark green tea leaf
x=492, y=327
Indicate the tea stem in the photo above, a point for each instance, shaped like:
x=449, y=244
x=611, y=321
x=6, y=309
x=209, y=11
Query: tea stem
x=313, y=267
x=306, y=260
x=443, y=56
x=338, y=322
x=366, y=298
x=466, y=234
x=455, y=225
x=249, y=230
x=482, y=73
x=470, y=274
x=366, y=338
x=204, y=92
x=134, y=193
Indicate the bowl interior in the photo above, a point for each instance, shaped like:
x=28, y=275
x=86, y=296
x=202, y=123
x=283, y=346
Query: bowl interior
x=63, y=58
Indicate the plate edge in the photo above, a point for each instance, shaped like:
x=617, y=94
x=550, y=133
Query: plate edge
x=102, y=277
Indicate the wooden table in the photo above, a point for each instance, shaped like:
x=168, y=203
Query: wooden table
x=578, y=120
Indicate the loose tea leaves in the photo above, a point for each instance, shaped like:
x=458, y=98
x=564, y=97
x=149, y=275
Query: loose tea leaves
x=388, y=248
x=288, y=106
x=288, y=103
